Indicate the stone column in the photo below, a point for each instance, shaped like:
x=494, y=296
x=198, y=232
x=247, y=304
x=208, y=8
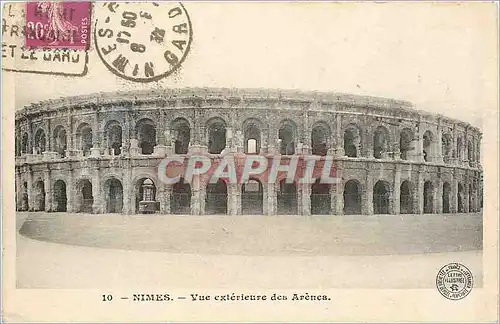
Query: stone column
x=48, y=190
x=439, y=149
x=305, y=199
x=164, y=195
x=368, y=193
x=419, y=199
x=234, y=199
x=454, y=193
x=70, y=194
x=19, y=190
x=97, y=192
x=95, y=151
x=265, y=199
x=49, y=147
x=197, y=196
x=128, y=188
x=338, y=138
x=396, y=192
x=271, y=199
x=338, y=191
x=31, y=193
x=367, y=138
x=438, y=206
x=467, y=193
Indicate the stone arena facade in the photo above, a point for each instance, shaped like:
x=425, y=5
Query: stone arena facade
x=100, y=153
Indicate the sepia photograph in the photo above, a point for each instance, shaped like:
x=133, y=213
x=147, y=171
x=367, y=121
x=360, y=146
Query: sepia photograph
x=250, y=161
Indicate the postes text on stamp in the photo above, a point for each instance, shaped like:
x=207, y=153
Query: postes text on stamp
x=60, y=24
x=142, y=42
x=454, y=281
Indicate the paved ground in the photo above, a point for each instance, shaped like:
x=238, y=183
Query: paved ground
x=51, y=265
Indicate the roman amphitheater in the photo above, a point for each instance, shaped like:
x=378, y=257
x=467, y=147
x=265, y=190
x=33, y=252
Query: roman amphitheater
x=100, y=153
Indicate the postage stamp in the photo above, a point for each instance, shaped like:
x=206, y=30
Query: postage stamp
x=454, y=281
x=143, y=42
x=61, y=24
x=18, y=57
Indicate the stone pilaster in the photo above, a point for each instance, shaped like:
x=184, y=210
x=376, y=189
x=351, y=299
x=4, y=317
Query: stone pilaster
x=419, y=192
x=271, y=199
x=305, y=190
x=396, y=192
x=368, y=193
x=438, y=206
x=48, y=190
x=98, y=194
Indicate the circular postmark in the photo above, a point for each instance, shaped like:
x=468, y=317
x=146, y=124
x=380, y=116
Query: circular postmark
x=454, y=281
x=142, y=41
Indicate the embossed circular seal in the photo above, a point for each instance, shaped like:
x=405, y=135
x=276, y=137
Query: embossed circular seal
x=142, y=41
x=454, y=281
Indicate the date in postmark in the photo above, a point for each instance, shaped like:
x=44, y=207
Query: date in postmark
x=142, y=42
x=59, y=24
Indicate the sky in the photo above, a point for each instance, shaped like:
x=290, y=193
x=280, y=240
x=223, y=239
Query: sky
x=442, y=57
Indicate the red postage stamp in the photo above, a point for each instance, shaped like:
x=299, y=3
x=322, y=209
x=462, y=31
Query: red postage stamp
x=61, y=24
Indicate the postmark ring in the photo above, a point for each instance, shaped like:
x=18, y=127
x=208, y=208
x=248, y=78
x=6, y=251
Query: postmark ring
x=454, y=281
x=142, y=42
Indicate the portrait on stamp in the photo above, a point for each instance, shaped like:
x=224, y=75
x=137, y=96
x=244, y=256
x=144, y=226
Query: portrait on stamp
x=243, y=161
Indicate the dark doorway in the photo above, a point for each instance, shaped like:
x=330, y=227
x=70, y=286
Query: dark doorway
x=60, y=199
x=287, y=198
x=352, y=198
x=145, y=198
x=428, y=197
x=252, y=198
x=216, y=198
x=320, y=198
x=181, y=198
x=381, y=195
x=114, y=196
x=86, y=197
x=405, y=199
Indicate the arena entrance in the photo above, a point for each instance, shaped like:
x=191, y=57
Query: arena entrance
x=216, y=198
x=428, y=197
x=287, y=198
x=60, y=198
x=405, y=198
x=145, y=198
x=40, y=196
x=86, y=197
x=446, y=197
x=181, y=198
x=320, y=198
x=114, y=196
x=381, y=193
x=252, y=198
x=352, y=198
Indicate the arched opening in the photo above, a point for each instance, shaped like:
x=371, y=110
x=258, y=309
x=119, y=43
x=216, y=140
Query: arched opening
x=381, y=194
x=24, y=144
x=405, y=198
x=470, y=153
x=40, y=141
x=320, y=198
x=380, y=142
x=181, y=198
x=428, y=145
x=352, y=141
x=405, y=143
x=319, y=139
x=84, y=138
x=252, y=136
x=146, y=135
x=39, y=196
x=114, y=137
x=286, y=137
x=216, y=198
x=60, y=140
x=428, y=197
x=352, y=198
x=60, y=198
x=446, y=145
x=252, y=198
x=216, y=128
x=287, y=198
x=25, y=201
x=114, y=195
x=181, y=134
x=446, y=197
x=145, y=198
x=86, y=198
x=460, y=198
